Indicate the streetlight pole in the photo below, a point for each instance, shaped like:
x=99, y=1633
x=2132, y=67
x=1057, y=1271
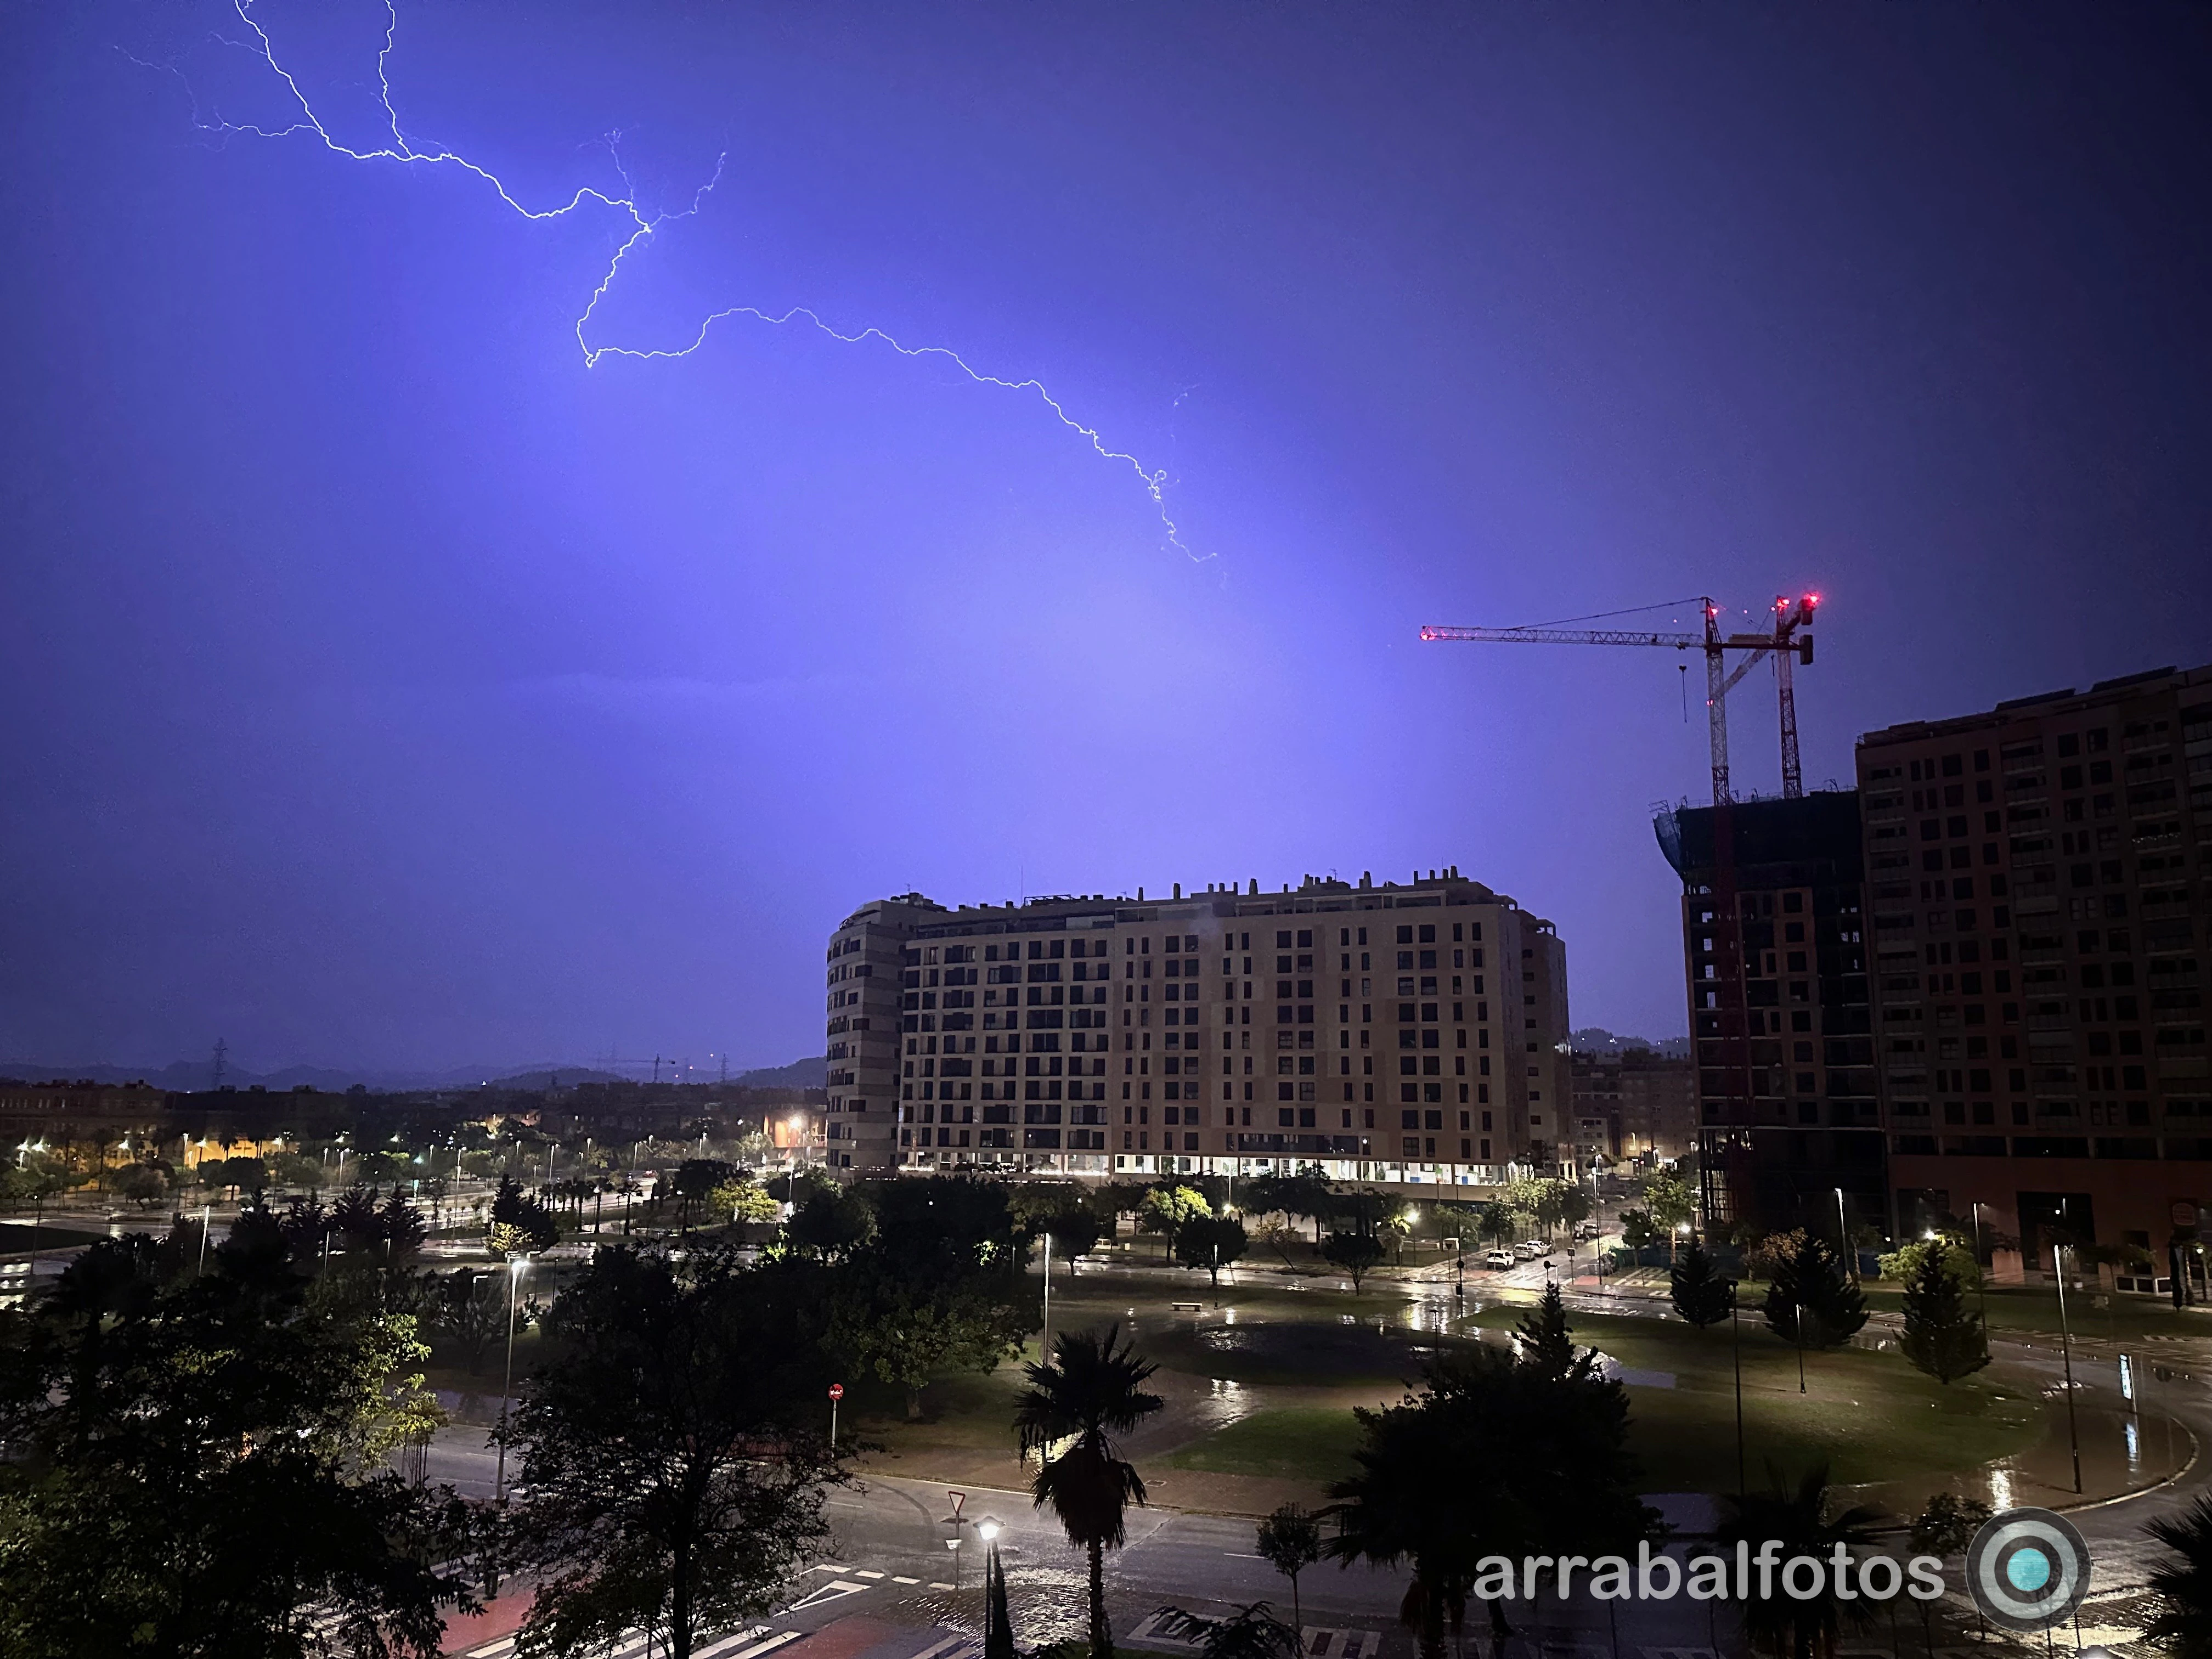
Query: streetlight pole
x=988, y=1530
x=1981, y=1277
x=514, y=1270
x=1044, y=1337
x=1844, y=1236
x=2066, y=1351
x=1735, y=1342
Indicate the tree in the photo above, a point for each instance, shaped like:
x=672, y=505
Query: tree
x=1073, y=1233
x=906, y=1325
x=401, y=1225
x=743, y=1199
x=1669, y=1199
x=1092, y=1390
x=1167, y=1208
x=1212, y=1242
x=696, y=1181
x=173, y=1431
x=1289, y=1540
x=533, y=1223
x=1357, y=1254
x=1250, y=1633
x=142, y=1184
x=829, y=1223
x=235, y=1175
x=1638, y=1230
x=1496, y=1455
x=1700, y=1295
x=1942, y=1336
x=1811, y=1300
x=2182, y=1624
x=1796, y=1517
x=1542, y=1341
x=470, y=1308
x=354, y=1216
x=1575, y=1206
x=1495, y=1224
x=673, y=1469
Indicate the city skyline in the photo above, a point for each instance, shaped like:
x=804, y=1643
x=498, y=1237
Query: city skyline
x=394, y=689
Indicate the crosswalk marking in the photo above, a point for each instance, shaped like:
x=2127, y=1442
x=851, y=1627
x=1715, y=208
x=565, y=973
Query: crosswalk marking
x=866, y=1572
x=896, y=1579
x=1340, y=1643
x=633, y=1645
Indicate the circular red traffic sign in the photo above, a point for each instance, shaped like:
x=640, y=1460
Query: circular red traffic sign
x=836, y=1390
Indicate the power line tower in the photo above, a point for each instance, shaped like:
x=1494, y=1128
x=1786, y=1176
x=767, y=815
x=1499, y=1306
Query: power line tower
x=222, y=1051
x=1788, y=643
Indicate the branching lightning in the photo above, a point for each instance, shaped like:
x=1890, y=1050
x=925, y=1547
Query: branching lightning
x=640, y=227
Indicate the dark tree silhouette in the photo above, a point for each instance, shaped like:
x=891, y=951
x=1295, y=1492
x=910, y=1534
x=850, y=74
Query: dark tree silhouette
x=2182, y=1582
x=1700, y=1295
x=1092, y=1390
x=1290, y=1542
x=672, y=1462
x=1811, y=1300
x=1357, y=1253
x=1942, y=1336
x=1797, y=1518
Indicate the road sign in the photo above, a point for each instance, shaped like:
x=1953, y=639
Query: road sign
x=836, y=1390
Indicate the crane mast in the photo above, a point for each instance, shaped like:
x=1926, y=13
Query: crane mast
x=1789, y=644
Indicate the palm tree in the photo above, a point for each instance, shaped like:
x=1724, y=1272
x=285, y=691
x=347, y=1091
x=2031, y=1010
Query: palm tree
x=1092, y=1390
x=2183, y=1587
x=1797, y=1520
x=1250, y=1633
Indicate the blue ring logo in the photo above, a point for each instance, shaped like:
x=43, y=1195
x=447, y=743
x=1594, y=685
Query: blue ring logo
x=2027, y=1569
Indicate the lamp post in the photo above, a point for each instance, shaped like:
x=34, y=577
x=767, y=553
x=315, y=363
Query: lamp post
x=1844, y=1236
x=514, y=1272
x=1044, y=1337
x=987, y=1529
x=836, y=1394
x=2066, y=1352
x=1981, y=1277
x=1735, y=1344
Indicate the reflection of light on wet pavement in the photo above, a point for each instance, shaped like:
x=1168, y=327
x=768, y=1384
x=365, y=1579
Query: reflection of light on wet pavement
x=2134, y=1447
x=2000, y=1488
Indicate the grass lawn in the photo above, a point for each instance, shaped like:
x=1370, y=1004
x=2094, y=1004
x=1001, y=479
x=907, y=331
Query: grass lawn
x=1290, y=1442
x=1871, y=1416
x=2034, y=1312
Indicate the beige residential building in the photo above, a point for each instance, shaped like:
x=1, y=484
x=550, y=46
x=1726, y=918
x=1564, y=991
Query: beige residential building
x=1385, y=1032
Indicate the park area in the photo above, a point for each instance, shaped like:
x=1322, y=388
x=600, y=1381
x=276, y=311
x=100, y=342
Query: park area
x=1262, y=1379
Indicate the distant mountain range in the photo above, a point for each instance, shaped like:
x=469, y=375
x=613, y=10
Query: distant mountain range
x=1596, y=1040
x=184, y=1076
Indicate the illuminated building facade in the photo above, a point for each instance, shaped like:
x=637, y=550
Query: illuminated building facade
x=1384, y=1032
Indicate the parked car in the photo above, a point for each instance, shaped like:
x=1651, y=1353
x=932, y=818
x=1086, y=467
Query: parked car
x=1586, y=1230
x=1531, y=1249
x=1498, y=1258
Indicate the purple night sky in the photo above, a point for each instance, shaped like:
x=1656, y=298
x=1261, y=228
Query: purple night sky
x=386, y=688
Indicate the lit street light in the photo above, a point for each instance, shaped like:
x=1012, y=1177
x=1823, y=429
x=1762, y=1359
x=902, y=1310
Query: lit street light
x=514, y=1272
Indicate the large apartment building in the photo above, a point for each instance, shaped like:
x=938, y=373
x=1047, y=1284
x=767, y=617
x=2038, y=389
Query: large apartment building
x=1634, y=1106
x=1789, y=1115
x=1386, y=1032
x=2038, y=878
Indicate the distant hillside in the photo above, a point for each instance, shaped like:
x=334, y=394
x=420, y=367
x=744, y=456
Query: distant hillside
x=1596, y=1040
x=810, y=1073
x=184, y=1076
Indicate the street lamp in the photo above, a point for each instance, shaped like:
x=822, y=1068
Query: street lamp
x=515, y=1267
x=987, y=1529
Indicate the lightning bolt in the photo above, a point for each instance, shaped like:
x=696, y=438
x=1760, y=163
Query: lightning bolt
x=639, y=227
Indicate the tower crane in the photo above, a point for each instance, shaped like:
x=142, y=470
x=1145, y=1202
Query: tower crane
x=1790, y=643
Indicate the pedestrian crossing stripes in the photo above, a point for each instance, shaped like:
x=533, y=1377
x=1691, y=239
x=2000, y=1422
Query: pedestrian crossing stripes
x=754, y=1643
x=1340, y=1643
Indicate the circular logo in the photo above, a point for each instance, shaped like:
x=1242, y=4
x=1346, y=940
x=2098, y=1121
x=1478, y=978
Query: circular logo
x=2027, y=1569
